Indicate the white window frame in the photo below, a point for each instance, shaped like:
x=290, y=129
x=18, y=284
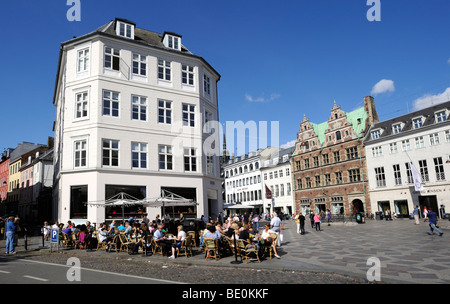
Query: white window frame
x=164, y=70
x=375, y=134
x=125, y=30
x=206, y=85
x=139, y=106
x=190, y=160
x=111, y=149
x=140, y=150
x=417, y=122
x=165, y=157
x=83, y=60
x=114, y=55
x=84, y=103
x=78, y=152
x=377, y=151
x=165, y=111
x=393, y=148
x=406, y=145
x=210, y=164
x=139, y=62
x=434, y=139
x=440, y=116
x=419, y=142
x=114, y=103
x=188, y=114
x=187, y=75
x=396, y=128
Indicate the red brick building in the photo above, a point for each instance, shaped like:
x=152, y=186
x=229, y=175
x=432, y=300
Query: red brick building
x=329, y=163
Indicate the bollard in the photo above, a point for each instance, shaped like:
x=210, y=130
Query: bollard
x=25, y=240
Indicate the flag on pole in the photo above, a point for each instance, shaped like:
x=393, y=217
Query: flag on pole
x=418, y=186
x=268, y=193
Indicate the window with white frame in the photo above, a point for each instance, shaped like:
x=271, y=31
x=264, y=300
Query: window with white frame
x=434, y=139
x=380, y=177
x=354, y=175
x=447, y=136
x=397, y=128
x=164, y=69
x=210, y=164
x=138, y=108
x=80, y=153
x=165, y=157
x=110, y=104
x=83, y=60
x=209, y=118
x=187, y=74
x=409, y=176
x=375, y=134
x=110, y=153
x=125, y=30
x=377, y=151
x=173, y=42
x=419, y=142
x=112, y=58
x=165, y=111
x=397, y=174
x=139, y=155
x=206, y=85
x=188, y=115
x=423, y=170
x=81, y=105
x=405, y=145
x=417, y=122
x=441, y=116
x=439, y=168
x=393, y=147
x=190, y=160
x=139, y=64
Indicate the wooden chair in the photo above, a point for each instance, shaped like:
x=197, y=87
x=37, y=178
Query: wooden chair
x=67, y=241
x=156, y=248
x=100, y=244
x=269, y=249
x=186, y=246
x=147, y=245
x=124, y=242
x=75, y=243
x=247, y=251
x=211, y=248
x=115, y=244
x=193, y=238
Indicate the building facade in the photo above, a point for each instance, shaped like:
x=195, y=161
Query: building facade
x=277, y=177
x=396, y=147
x=133, y=114
x=243, y=184
x=329, y=170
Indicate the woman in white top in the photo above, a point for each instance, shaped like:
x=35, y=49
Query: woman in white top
x=180, y=238
x=266, y=236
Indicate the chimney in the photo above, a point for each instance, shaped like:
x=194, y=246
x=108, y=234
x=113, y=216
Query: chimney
x=369, y=107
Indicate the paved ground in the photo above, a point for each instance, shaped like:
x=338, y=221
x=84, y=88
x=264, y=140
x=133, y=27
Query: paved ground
x=338, y=254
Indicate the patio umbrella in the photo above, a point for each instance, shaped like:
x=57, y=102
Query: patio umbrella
x=168, y=199
x=121, y=199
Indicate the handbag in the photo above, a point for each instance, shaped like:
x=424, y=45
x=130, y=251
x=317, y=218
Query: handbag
x=281, y=237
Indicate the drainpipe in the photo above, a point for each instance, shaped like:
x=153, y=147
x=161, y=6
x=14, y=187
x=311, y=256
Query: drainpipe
x=361, y=165
x=323, y=191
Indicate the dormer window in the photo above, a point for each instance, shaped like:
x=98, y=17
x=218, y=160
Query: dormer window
x=125, y=29
x=440, y=116
x=172, y=41
x=417, y=122
x=375, y=134
x=396, y=128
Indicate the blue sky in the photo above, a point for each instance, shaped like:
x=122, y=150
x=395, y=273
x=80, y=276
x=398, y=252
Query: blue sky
x=279, y=60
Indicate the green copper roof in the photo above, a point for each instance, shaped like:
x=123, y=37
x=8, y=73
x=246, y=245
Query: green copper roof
x=352, y=118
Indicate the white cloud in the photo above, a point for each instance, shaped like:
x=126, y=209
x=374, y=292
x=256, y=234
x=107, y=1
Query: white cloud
x=288, y=144
x=448, y=61
x=272, y=97
x=429, y=100
x=383, y=86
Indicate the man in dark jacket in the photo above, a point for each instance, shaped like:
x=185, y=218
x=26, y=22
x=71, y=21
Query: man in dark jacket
x=301, y=218
x=432, y=218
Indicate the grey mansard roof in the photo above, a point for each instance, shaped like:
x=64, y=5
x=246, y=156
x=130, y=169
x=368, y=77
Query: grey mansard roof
x=429, y=123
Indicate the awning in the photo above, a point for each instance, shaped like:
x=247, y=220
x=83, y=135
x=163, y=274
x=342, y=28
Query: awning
x=239, y=206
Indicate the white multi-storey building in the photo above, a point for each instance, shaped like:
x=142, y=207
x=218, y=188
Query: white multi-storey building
x=421, y=138
x=132, y=108
x=243, y=184
x=277, y=177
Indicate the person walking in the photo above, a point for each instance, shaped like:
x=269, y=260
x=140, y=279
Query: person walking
x=432, y=219
x=416, y=215
x=11, y=229
x=328, y=217
x=275, y=223
x=311, y=218
x=297, y=221
x=301, y=219
x=425, y=212
x=317, y=221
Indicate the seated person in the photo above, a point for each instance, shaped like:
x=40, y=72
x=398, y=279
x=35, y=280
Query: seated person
x=244, y=234
x=103, y=235
x=159, y=238
x=144, y=233
x=180, y=238
x=266, y=236
x=212, y=233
